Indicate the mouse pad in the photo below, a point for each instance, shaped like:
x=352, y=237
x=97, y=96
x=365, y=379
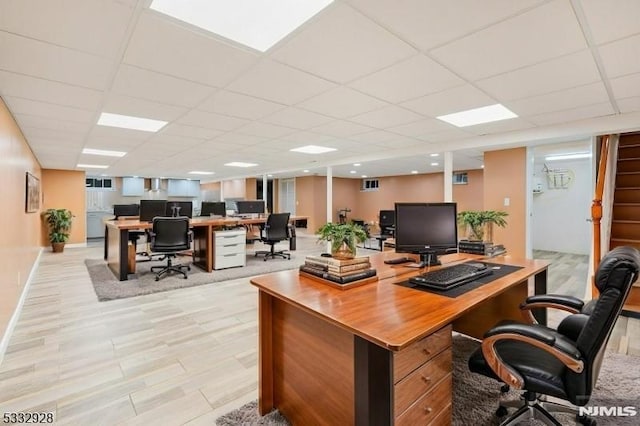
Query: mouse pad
x=457, y=291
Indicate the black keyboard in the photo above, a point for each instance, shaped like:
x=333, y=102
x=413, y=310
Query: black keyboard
x=452, y=276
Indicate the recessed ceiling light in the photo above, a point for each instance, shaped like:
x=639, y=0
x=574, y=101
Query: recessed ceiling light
x=305, y=171
x=356, y=164
x=364, y=176
x=481, y=115
x=257, y=24
x=571, y=156
x=482, y=166
x=104, y=152
x=129, y=122
x=414, y=172
x=435, y=154
x=353, y=172
x=92, y=166
x=196, y=172
x=240, y=164
x=434, y=164
x=313, y=149
x=269, y=175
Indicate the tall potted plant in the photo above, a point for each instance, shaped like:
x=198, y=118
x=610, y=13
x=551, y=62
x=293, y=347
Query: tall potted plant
x=343, y=238
x=477, y=221
x=59, y=222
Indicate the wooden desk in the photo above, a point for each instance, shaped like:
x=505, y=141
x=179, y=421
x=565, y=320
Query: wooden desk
x=378, y=354
x=116, y=240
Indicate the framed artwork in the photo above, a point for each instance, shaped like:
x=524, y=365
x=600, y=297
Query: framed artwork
x=32, y=200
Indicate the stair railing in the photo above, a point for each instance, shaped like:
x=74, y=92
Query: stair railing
x=596, y=209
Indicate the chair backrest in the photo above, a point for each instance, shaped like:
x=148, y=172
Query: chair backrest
x=277, y=226
x=170, y=234
x=616, y=273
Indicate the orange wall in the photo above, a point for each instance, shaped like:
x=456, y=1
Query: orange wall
x=211, y=186
x=311, y=200
x=505, y=177
x=471, y=195
x=65, y=189
x=20, y=242
x=250, y=189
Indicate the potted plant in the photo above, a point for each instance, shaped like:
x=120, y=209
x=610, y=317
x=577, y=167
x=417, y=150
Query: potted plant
x=343, y=238
x=476, y=221
x=59, y=221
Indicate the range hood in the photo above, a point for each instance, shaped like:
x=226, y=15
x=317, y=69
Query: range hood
x=155, y=184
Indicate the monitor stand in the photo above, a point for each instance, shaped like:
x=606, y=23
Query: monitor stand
x=429, y=259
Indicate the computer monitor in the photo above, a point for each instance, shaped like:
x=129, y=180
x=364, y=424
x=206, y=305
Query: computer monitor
x=427, y=229
x=387, y=218
x=250, y=207
x=179, y=208
x=152, y=208
x=217, y=208
x=126, y=210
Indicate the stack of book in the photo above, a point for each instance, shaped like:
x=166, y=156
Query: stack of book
x=338, y=271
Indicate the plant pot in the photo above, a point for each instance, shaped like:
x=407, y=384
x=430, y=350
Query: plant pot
x=343, y=252
x=57, y=247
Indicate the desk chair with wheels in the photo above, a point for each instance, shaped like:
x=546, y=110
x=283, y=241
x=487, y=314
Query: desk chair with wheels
x=546, y=362
x=169, y=236
x=275, y=230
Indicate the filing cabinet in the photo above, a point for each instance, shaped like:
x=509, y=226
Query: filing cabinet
x=229, y=248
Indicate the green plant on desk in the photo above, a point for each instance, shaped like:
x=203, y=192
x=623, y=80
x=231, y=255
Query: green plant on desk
x=476, y=221
x=343, y=238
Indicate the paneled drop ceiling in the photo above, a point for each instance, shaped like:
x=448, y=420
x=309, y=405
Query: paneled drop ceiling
x=367, y=77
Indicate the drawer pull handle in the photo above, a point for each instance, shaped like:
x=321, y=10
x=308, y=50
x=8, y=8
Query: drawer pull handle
x=426, y=379
x=427, y=410
x=426, y=351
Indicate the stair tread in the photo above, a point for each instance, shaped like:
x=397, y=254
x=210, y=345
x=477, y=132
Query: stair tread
x=633, y=144
x=625, y=240
x=629, y=173
x=625, y=221
x=626, y=188
x=627, y=204
x=628, y=159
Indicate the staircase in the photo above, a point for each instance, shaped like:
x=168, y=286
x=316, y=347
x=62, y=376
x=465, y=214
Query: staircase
x=625, y=225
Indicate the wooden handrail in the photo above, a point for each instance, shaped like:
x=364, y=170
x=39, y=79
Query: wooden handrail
x=596, y=208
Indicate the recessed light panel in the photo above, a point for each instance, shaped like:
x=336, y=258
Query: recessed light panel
x=130, y=122
x=258, y=24
x=104, y=152
x=313, y=149
x=240, y=164
x=571, y=156
x=434, y=164
x=92, y=166
x=475, y=116
x=197, y=172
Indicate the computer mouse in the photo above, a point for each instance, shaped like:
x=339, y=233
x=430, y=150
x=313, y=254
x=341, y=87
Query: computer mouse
x=477, y=265
x=325, y=254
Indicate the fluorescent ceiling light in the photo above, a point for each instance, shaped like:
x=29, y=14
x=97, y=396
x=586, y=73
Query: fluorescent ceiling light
x=475, y=116
x=305, y=171
x=482, y=166
x=572, y=156
x=240, y=164
x=130, y=122
x=255, y=23
x=92, y=166
x=313, y=149
x=414, y=172
x=196, y=172
x=104, y=152
x=364, y=176
x=435, y=154
x=269, y=175
x=434, y=164
x=356, y=164
x=353, y=172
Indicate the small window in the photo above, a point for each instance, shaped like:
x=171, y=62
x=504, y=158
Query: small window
x=369, y=185
x=460, y=178
x=98, y=184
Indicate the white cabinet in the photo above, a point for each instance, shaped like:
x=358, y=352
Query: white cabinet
x=95, y=224
x=183, y=188
x=132, y=187
x=229, y=248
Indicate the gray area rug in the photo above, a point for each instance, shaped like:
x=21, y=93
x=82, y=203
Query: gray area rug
x=107, y=287
x=476, y=397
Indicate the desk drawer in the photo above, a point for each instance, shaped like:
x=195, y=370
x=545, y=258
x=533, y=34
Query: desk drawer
x=223, y=250
x=229, y=238
x=408, y=359
x=229, y=260
x=421, y=381
x=428, y=409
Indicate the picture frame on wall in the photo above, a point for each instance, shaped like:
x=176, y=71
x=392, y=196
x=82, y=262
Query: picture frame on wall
x=32, y=199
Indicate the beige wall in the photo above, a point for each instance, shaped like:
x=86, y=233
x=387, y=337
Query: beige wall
x=65, y=189
x=235, y=188
x=311, y=200
x=471, y=195
x=250, y=189
x=505, y=177
x=20, y=242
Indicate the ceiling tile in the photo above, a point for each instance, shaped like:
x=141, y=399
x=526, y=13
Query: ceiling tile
x=374, y=136
x=162, y=45
x=37, y=89
x=265, y=130
x=399, y=141
x=286, y=85
x=626, y=86
x=621, y=57
x=341, y=45
x=449, y=101
x=629, y=104
x=33, y=121
x=388, y=116
x=611, y=20
x=296, y=118
x=234, y=139
x=557, y=74
x=561, y=100
x=342, y=102
x=408, y=79
x=115, y=132
x=53, y=111
x=152, y=86
x=211, y=121
x=515, y=42
x=306, y=138
x=35, y=58
x=174, y=140
x=237, y=105
x=190, y=131
x=125, y=105
x=447, y=136
x=499, y=126
x=420, y=129
x=429, y=23
x=568, y=116
x=341, y=129
x=97, y=27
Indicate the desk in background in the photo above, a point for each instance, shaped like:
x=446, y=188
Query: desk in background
x=358, y=356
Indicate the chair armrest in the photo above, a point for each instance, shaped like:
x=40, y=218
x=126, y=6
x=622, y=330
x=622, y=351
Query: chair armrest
x=190, y=233
x=558, y=346
x=557, y=301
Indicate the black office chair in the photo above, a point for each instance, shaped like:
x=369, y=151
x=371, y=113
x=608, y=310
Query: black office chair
x=275, y=230
x=562, y=363
x=169, y=236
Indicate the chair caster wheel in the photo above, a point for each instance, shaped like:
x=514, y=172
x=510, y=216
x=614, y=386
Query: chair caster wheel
x=505, y=388
x=265, y=259
x=586, y=420
x=501, y=411
x=185, y=277
x=157, y=278
x=188, y=268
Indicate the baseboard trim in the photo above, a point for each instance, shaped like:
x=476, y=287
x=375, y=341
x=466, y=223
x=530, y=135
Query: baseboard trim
x=4, y=343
